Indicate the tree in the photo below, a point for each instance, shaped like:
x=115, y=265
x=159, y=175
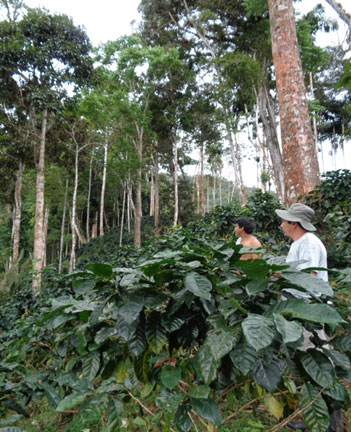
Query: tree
x=41, y=54
x=299, y=152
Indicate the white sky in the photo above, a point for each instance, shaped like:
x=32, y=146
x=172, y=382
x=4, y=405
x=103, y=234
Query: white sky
x=109, y=19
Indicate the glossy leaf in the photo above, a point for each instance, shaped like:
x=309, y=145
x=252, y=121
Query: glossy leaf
x=51, y=394
x=155, y=332
x=207, y=364
x=308, y=282
x=300, y=309
x=319, y=367
x=256, y=286
x=291, y=331
x=198, y=284
x=71, y=401
x=221, y=343
x=200, y=391
x=316, y=416
x=268, y=376
x=182, y=418
x=255, y=269
x=170, y=376
x=91, y=365
x=101, y=270
x=258, y=330
x=244, y=358
x=207, y=409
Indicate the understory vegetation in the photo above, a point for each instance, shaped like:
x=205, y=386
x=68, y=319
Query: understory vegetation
x=182, y=335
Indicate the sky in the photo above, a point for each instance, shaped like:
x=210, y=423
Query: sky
x=109, y=19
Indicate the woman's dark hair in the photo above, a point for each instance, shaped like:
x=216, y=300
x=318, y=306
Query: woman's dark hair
x=246, y=223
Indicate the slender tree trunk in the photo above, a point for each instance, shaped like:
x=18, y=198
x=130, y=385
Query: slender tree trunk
x=17, y=214
x=220, y=189
x=214, y=190
x=207, y=194
x=299, y=153
x=314, y=123
x=157, y=196
x=39, y=208
x=124, y=186
x=201, y=184
x=88, y=199
x=176, y=205
x=72, y=262
x=62, y=236
x=237, y=183
x=103, y=186
x=152, y=195
x=270, y=131
x=45, y=233
x=129, y=199
x=138, y=202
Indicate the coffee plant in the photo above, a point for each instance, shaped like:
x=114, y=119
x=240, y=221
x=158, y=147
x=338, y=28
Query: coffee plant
x=182, y=332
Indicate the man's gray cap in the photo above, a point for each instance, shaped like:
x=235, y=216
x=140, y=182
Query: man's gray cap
x=298, y=213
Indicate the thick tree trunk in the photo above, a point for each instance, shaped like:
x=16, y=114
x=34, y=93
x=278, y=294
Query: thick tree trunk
x=301, y=170
x=103, y=186
x=17, y=214
x=87, y=229
x=62, y=235
x=175, y=177
x=39, y=208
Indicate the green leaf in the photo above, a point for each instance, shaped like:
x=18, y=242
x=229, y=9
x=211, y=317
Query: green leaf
x=300, y=309
x=256, y=286
x=244, y=358
x=207, y=364
x=84, y=286
x=316, y=416
x=182, y=418
x=221, y=343
x=207, y=409
x=291, y=331
x=319, y=367
x=337, y=391
x=51, y=394
x=200, y=391
x=198, y=284
x=91, y=365
x=71, y=401
x=10, y=420
x=102, y=270
x=338, y=358
x=142, y=366
x=155, y=332
x=268, y=376
x=254, y=269
x=343, y=343
x=104, y=333
x=94, y=317
x=170, y=376
x=309, y=283
x=258, y=330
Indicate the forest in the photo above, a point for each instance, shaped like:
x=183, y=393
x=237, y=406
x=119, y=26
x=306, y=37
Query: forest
x=124, y=302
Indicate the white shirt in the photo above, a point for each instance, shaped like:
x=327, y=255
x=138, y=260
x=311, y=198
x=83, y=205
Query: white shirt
x=310, y=249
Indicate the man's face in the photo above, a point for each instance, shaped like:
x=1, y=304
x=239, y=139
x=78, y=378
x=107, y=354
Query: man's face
x=287, y=228
x=238, y=231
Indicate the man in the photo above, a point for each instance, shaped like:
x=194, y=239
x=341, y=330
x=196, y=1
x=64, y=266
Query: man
x=306, y=246
x=243, y=229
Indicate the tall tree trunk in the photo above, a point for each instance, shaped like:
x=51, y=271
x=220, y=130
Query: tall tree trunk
x=17, y=214
x=214, y=190
x=201, y=183
x=138, y=202
x=103, y=186
x=301, y=170
x=45, y=233
x=220, y=189
x=72, y=262
x=62, y=235
x=176, y=204
x=267, y=113
x=129, y=199
x=152, y=195
x=39, y=208
x=88, y=198
x=157, y=195
x=124, y=186
x=237, y=184
x=314, y=123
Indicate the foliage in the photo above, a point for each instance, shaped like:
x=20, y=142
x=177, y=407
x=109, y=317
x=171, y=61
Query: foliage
x=331, y=201
x=177, y=329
